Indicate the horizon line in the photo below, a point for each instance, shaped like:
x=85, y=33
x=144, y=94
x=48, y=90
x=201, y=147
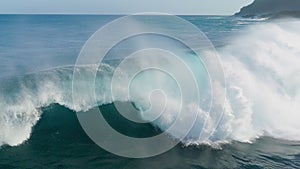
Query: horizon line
x=112, y=14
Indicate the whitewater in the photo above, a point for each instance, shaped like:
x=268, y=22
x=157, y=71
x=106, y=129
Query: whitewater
x=262, y=91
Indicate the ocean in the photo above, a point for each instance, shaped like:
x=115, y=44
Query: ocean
x=42, y=107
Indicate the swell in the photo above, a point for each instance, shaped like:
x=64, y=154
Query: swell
x=263, y=92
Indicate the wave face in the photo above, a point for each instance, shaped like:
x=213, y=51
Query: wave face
x=263, y=91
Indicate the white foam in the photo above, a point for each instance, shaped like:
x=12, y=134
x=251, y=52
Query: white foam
x=264, y=65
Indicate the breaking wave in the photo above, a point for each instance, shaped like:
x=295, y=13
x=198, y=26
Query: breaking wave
x=263, y=91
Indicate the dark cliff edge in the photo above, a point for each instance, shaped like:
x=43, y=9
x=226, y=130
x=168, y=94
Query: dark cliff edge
x=271, y=9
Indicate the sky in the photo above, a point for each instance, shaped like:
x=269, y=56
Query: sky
x=195, y=7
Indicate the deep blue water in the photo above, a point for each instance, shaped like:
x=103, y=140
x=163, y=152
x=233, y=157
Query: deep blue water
x=35, y=42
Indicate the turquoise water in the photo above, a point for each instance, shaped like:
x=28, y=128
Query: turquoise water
x=38, y=123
